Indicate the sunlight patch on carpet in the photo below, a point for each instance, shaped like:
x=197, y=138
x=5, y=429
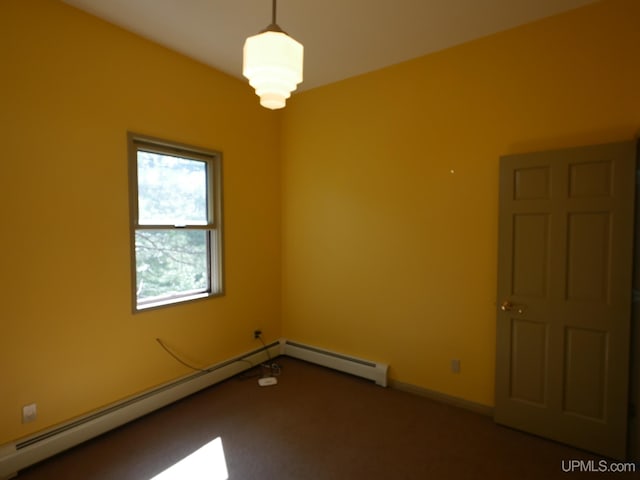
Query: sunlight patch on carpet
x=206, y=463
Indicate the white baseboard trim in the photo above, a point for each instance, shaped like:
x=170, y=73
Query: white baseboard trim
x=442, y=398
x=375, y=371
x=27, y=451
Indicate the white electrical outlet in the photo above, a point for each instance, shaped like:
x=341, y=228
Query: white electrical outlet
x=455, y=366
x=29, y=413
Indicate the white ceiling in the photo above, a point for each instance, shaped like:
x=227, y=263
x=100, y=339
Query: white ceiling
x=342, y=38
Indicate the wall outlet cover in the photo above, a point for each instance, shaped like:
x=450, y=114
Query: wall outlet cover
x=29, y=413
x=455, y=366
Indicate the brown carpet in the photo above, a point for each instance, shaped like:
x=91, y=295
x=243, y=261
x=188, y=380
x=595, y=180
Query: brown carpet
x=316, y=424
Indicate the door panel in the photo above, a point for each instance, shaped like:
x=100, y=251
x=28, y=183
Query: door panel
x=584, y=379
x=590, y=179
x=530, y=255
x=529, y=353
x=564, y=291
x=532, y=183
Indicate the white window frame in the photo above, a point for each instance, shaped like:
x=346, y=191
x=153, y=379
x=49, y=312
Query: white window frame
x=213, y=226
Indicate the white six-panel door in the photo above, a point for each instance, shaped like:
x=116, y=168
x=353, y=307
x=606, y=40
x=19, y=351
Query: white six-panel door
x=564, y=294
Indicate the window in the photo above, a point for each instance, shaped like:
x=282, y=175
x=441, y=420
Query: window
x=176, y=210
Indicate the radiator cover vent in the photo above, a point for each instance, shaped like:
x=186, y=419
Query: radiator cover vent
x=355, y=366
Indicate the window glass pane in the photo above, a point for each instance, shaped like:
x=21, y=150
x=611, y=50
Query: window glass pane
x=171, y=190
x=171, y=263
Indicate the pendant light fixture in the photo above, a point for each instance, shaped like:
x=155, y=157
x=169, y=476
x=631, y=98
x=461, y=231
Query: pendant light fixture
x=272, y=61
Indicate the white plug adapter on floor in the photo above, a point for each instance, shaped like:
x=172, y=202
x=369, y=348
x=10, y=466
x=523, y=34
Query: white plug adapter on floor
x=267, y=381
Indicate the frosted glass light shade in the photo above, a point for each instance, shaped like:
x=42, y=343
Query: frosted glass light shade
x=273, y=65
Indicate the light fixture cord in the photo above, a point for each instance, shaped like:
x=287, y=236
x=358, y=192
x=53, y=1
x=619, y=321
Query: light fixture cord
x=274, y=27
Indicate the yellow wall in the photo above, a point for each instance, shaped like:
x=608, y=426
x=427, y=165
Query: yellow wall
x=386, y=253
x=71, y=87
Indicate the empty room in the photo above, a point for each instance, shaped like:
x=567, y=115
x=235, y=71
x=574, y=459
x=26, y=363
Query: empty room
x=415, y=257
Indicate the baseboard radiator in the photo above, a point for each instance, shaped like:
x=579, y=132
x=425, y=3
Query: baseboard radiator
x=355, y=366
x=30, y=450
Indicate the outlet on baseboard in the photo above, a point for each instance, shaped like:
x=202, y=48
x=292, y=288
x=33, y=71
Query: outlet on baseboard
x=29, y=413
x=455, y=366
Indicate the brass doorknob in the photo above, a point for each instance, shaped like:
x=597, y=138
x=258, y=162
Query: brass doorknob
x=507, y=306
